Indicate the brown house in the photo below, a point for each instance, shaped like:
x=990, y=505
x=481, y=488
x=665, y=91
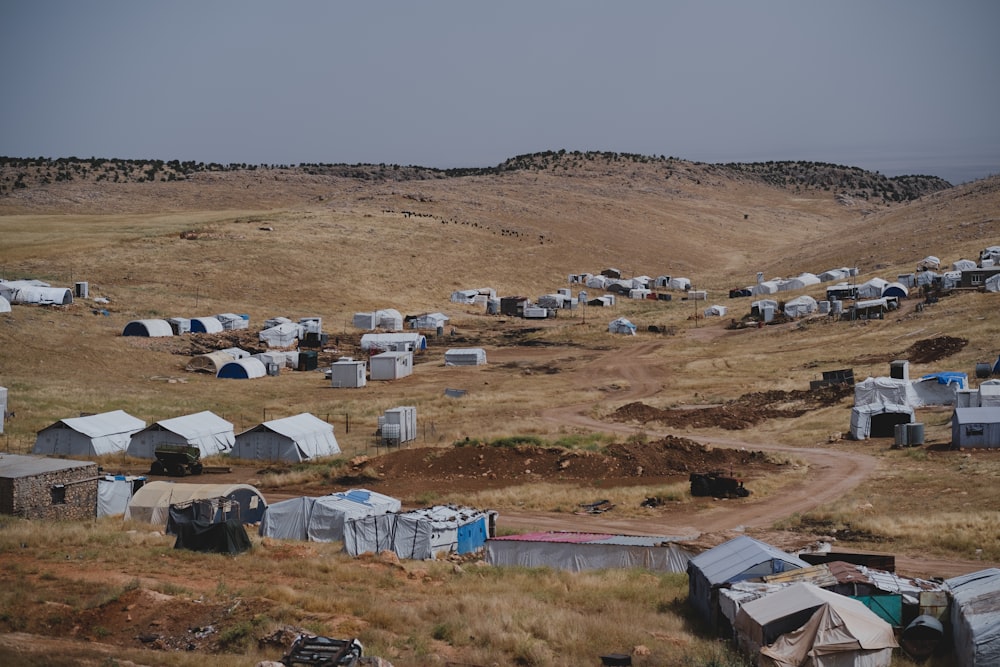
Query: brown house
x=36, y=487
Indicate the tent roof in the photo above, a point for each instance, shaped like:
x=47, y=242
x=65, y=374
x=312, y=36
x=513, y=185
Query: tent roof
x=163, y=494
x=153, y=327
x=197, y=425
x=295, y=427
x=737, y=555
x=105, y=423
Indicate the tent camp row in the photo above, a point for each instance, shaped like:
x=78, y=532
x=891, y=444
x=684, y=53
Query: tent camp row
x=421, y=534
x=388, y=319
x=300, y=437
x=322, y=519
x=176, y=326
x=880, y=403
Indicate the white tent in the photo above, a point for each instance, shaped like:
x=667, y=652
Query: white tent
x=621, y=325
x=835, y=274
x=35, y=292
x=800, y=306
x=280, y=335
x=872, y=289
x=205, y=325
x=805, y=625
x=242, y=369
x=924, y=278
x=576, y=552
x=466, y=296
x=429, y=321
x=929, y=262
x=210, y=362
x=115, y=491
x=765, y=287
x=206, y=430
x=150, y=328
x=302, y=437
x=716, y=311
x=93, y=435
x=963, y=265
x=421, y=534
x=151, y=503
x=801, y=281
x=465, y=356
x=992, y=284
x=878, y=419
x=885, y=390
x=322, y=519
x=388, y=318
x=409, y=340
x=682, y=284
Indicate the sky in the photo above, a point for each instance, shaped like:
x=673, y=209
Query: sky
x=895, y=86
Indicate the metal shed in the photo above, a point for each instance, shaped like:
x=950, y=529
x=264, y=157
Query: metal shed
x=976, y=427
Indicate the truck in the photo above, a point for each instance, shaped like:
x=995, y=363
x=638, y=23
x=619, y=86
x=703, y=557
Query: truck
x=176, y=460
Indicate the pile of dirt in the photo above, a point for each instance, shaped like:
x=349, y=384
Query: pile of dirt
x=477, y=467
x=743, y=412
x=930, y=350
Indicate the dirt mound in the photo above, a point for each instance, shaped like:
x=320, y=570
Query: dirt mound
x=743, y=412
x=930, y=350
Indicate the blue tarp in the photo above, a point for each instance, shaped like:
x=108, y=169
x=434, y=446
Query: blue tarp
x=949, y=377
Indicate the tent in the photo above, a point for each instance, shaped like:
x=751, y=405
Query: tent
x=205, y=325
x=992, y=284
x=210, y=362
x=801, y=281
x=835, y=274
x=387, y=318
x=151, y=503
x=765, y=287
x=429, y=321
x=682, y=284
x=93, y=435
x=35, y=292
x=878, y=420
x=929, y=262
x=232, y=321
x=301, y=437
x=421, y=534
x=205, y=430
x=621, y=325
x=872, y=289
x=804, y=625
x=897, y=289
x=242, y=369
x=739, y=559
x=895, y=391
x=963, y=265
x=115, y=491
x=577, y=552
x=465, y=356
x=975, y=618
x=150, y=328
x=322, y=519
x=976, y=427
x=939, y=388
x=716, y=311
x=800, y=306
x=925, y=278
x=280, y=335
x=466, y=296
x=4, y=305
x=414, y=341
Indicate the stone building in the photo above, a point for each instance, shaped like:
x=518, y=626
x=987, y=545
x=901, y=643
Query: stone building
x=36, y=487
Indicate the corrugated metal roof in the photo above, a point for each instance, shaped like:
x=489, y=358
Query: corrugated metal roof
x=16, y=466
x=731, y=558
x=105, y=423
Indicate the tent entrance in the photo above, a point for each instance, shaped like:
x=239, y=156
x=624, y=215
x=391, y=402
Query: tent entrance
x=884, y=425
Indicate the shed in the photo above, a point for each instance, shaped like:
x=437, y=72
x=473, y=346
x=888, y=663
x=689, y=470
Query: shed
x=716, y=311
x=878, y=420
x=976, y=428
x=322, y=519
x=348, y=372
x=398, y=425
x=151, y=503
x=148, y=328
x=92, y=435
x=391, y=365
x=975, y=618
x=802, y=623
x=465, y=356
x=35, y=487
x=242, y=369
x=577, y=552
x=739, y=559
x=421, y=534
x=207, y=431
x=205, y=325
x=302, y=437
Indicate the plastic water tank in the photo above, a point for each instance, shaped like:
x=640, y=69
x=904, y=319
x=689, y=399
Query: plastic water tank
x=915, y=434
x=901, y=433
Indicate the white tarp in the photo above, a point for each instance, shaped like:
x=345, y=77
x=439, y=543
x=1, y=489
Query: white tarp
x=301, y=437
x=893, y=391
x=35, y=292
x=465, y=356
x=577, y=552
x=4, y=305
x=115, y=491
x=394, y=341
x=682, y=284
x=421, y=534
x=280, y=335
x=207, y=431
x=287, y=519
x=93, y=435
x=716, y=311
x=862, y=415
x=621, y=325
x=992, y=284
x=872, y=289
x=975, y=618
x=800, y=306
x=330, y=513
x=150, y=328
x=963, y=265
x=766, y=287
x=929, y=262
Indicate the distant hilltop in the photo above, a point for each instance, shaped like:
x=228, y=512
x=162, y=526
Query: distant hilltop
x=796, y=176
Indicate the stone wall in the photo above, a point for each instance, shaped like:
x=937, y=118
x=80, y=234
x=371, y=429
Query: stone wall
x=38, y=496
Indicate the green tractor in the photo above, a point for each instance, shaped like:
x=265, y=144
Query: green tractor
x=176, y=460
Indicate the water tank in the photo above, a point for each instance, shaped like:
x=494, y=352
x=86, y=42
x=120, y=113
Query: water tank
x=836, y=307
x=899, y=369
x=824, y=307
x=273, y=368
x=983, y=371
x=915, y=433
x=901, y=433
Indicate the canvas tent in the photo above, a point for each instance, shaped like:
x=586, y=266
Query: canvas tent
x=93, y=435
x=577, y=552
x=872, y=289
x=421, y=534
x=801, y=281
x=151, y=503
x=805, y=625
x=878, y=420
x=322, y=519
x=465, y=356
x=739, y=559
x=929, y=262
x=800, y=306
x=115, y=491
x=894, y=391
x=620, y=325
x=242, y=369
x=150, y=328
x=301, y=437
x=205, y=325
x=210, y=433
x=280, y=335
x=975, y=618
x=210, y=362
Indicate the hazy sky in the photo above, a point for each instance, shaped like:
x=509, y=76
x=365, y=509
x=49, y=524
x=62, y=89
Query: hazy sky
x=898, y=86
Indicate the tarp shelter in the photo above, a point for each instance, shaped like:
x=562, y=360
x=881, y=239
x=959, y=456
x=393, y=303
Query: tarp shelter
x=620, y=325
x=210, y=362
x=301, y=437
x=207, y=431
x=465, y=356
x=992, y=284
x=322, y=519
x=963, y=265
x=739, y=559
x=242, y=369
x=894, y=391
x=205, y=325
x=976, y=427
x=872, y=289
x=280, y=335
x=878, y=420
x=115, y=491
x=577, y=552
x=939, y=388
x=929, y=262
x=925, y=278
x=421, y=534
x=179, y=325
x=835, y=274
x=765, y=287
x=394, y=341
x=391, y=365
x=93, y=435
x=221, y=537
x=4, y=305
x=800, y=306
x=897, y=289
x=149, y=328
x=233, y=322
x=975, y=618
x=151, y=503
x=804, y=625
x=682, y=284
x=716, y=311
x=35, y=292
x=466, y=296
x=429, y=321
x=802, y=281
